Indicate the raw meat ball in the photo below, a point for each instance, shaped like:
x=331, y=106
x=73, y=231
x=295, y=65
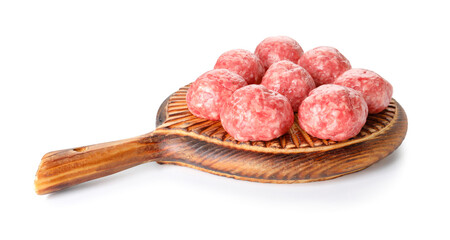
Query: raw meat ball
x=324, y=64
x=333, y=112
x=210, y=91
x=255, y=113
x=275, y=49
x=376, y=90
x=289, y=79
x=244, y=63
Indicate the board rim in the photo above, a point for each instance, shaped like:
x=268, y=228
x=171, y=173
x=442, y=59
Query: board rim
x=162, y=124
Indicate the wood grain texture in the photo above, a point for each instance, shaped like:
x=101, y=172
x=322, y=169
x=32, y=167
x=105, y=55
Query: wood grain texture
x=293, y=158
x=65, y=168
x=183, y=139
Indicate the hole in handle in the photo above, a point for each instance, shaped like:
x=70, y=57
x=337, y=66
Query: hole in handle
x=80, y=149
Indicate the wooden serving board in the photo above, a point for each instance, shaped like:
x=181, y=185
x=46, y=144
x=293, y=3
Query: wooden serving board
x=183, y=139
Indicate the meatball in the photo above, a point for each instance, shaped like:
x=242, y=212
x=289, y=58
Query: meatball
x=255, y=113
x=289, y=79
x=324, y=64
x=333, y=112
x=275, y=49
x=376, y=90
x=244, y=63
x=210, y=91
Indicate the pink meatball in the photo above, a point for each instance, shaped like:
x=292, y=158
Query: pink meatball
x=324, y=64
x=275, y=49
x=255, y=113
x=333, y=112
x=210, y=91
x=289, y=79
x=376, y=90
x=244, y=63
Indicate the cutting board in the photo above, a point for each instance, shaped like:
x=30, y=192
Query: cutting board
x=182, y=139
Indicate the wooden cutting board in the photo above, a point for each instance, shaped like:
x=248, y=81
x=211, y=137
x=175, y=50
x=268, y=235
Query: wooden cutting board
x=183, y=139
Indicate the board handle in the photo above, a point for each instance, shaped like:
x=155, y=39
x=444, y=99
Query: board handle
x=65, y=168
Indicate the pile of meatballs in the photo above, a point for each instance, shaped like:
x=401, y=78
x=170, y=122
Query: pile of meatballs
x=255, y=95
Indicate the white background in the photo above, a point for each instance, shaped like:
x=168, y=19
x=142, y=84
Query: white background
x=74, y=73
